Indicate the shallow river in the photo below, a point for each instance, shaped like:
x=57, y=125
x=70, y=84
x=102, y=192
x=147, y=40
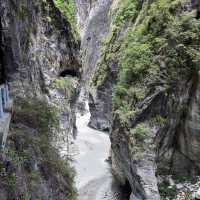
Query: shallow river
x=94, y=179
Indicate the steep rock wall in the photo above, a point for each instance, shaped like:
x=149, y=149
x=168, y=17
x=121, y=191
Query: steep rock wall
x=35, y=34
x=153, y=91
x=94, y=22
x=37, y=46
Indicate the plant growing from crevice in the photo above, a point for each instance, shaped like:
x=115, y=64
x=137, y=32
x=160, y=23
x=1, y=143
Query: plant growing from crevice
x=68, y=10
x=167, y=191
x=140, y=132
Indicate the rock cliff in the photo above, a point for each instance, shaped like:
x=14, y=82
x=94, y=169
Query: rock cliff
x=94, y=22
x=40, y=61
x=148, y=76
x=141, y=72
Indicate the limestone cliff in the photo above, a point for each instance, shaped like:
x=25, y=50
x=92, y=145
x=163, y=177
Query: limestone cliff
x=40, y=61
x=94, y=22
x=148, y=75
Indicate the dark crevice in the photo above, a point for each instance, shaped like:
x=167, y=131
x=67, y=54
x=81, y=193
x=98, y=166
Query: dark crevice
x=198, y=14
x=69, y=72
x=196, y=5
x=126, y=190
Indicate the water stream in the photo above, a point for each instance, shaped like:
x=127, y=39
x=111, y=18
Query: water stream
x=94, y=179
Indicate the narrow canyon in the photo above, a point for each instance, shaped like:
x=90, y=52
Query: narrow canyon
x=99, y=99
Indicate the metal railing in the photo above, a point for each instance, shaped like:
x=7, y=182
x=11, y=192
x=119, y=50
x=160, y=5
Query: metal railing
x=4, y=98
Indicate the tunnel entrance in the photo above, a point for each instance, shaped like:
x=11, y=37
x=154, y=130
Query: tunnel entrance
x=69, y=72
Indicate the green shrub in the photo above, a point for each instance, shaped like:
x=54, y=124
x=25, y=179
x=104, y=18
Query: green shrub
x=163, y=33
x=35, y=175
x=64, y=83
x=37, y=114
x=28, y=144
x=126, y=12
x=68, y=9
x=136, y=58
x=26, y=196
x=167, y=192
x=139, y=132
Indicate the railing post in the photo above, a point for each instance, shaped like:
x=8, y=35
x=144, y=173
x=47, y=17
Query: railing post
x=1, y=106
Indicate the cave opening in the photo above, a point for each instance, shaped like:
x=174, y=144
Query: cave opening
x=69, y=72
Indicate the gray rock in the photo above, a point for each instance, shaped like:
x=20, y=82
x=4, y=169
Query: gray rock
x=179, y=186
x=37, y=46
x=94, y=24
x=175, y=141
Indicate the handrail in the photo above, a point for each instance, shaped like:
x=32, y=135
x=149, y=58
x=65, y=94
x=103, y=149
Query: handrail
x=4, y=98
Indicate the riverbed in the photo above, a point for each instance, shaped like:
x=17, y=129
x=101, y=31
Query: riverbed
x=94, y=179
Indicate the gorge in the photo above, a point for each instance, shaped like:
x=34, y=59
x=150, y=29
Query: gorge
x=94, y=179
x=105, y=99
